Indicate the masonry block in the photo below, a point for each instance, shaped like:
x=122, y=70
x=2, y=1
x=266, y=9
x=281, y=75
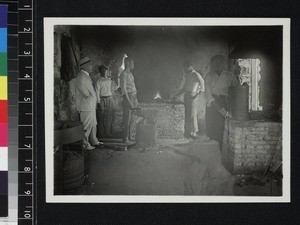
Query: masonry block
x=249, y=144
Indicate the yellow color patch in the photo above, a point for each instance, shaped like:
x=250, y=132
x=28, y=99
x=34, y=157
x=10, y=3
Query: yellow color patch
x=3, y=88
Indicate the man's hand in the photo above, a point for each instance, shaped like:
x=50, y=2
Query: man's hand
x=136, y=109
x=228, y=115
x=223, y=112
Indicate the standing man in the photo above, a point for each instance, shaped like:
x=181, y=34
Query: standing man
x=86, y=101
x=130, y=101
x=105, y=107
x=217, y=82
x=193, y=86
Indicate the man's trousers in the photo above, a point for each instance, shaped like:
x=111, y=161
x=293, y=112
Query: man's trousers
x=88, y=118
x=105, y=115
x=190, y=111
x=127, y=115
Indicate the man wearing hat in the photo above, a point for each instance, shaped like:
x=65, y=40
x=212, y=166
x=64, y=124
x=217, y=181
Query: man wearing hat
x=86, y=102
x=105, y=101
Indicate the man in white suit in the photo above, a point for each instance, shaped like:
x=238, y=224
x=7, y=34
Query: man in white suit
x=86, y=101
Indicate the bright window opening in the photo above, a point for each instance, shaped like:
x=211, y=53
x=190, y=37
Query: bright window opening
x=248, y=71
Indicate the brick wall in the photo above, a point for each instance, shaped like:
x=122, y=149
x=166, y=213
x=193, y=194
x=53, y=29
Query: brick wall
x=168, y=118
x=247, y=146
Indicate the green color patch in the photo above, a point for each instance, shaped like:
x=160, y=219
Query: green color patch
x=3, y=64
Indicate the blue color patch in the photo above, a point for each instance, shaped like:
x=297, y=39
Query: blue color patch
x=3, y=16
x=3, y=40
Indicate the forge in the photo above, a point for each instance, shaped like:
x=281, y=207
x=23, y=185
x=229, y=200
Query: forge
x=167, y=117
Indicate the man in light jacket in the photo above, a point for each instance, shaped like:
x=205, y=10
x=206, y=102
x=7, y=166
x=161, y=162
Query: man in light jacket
x=86, y=102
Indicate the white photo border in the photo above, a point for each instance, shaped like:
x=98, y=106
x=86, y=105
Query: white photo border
x=50, y=22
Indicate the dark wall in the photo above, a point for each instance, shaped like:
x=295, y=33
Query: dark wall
x=159, y=52
x=265, y=44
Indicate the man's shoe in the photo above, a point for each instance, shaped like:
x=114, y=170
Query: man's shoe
x=127, y=142
x=98, y=145
x=194, y=137
x=89, y=147
x=186, y=135
x=131, y=139
x=201, y=138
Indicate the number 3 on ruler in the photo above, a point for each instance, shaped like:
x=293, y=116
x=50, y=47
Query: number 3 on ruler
x=27, y=215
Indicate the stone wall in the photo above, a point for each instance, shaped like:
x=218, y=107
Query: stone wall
x=64, y=92
x=247, y=146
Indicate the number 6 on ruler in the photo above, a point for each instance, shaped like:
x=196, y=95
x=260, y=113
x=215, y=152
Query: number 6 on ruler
x=28, y=192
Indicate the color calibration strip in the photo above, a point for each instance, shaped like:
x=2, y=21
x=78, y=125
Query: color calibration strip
x=3, y=114
x=26, y=200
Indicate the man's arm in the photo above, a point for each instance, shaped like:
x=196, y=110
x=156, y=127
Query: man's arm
x=97, y=90
x=208, y=92
x=82, y=86
x=201, y=82
x=234, y=80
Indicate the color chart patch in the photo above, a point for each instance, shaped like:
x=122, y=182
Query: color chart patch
x=3, y=114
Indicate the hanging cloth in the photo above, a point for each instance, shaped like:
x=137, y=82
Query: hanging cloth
x=69, y=65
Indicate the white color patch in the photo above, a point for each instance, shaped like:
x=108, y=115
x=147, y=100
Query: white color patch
x=3, y=159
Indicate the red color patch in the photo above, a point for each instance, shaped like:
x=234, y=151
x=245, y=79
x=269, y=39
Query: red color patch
x=3, y=112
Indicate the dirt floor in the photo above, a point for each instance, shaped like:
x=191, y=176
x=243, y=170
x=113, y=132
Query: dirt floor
x=174, y=167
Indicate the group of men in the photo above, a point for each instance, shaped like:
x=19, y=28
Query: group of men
x=95, y=103
x=215, y=88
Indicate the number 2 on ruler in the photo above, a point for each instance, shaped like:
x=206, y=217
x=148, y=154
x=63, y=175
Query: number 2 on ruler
x=27, y=146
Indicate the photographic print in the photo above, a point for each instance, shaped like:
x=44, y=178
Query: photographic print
x=167, y=109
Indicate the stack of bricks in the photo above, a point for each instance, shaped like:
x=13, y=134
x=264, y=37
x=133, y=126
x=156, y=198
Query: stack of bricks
x=169, y=119
x=248, y=146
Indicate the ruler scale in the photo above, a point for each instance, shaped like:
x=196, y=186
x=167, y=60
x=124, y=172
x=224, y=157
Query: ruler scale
x=13, y=107
x=25, y=104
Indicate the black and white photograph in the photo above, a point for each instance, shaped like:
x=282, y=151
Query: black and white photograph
x=167, y=109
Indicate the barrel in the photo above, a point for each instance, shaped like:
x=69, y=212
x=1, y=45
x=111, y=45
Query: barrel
x=69, y=165
x=239, y=102
x=73, y=172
